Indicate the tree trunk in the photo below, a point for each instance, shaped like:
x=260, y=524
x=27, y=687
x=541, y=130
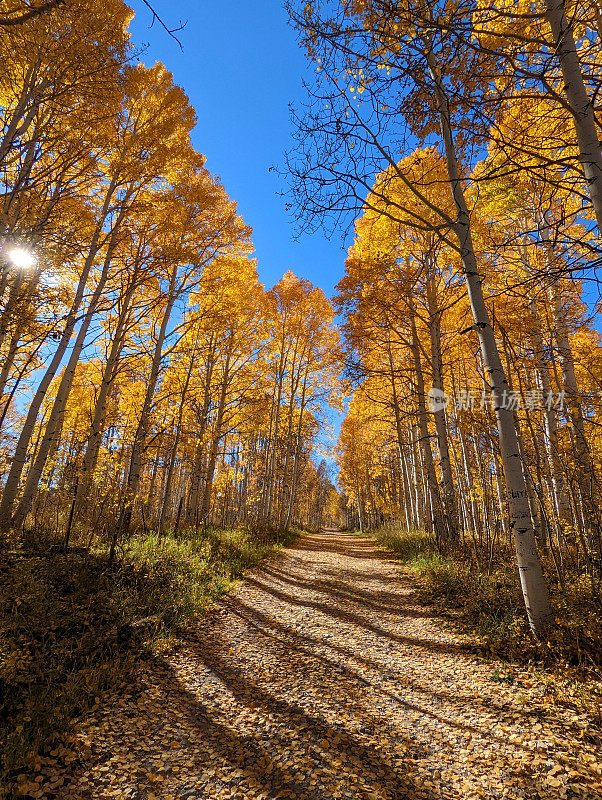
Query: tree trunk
x=560, y=497
x=434, y=493
x=216, y=438
x=293, y=490
x=138, y=445
x=11, y=487
x=582, y=108
x=174, y=449
x=95, y=435
x=13, y=347
x=273, y=442
x=585, y=472
x=52, y=434
x=194, y=494
x=449, y=492
x=533, y=585
x=407, y=491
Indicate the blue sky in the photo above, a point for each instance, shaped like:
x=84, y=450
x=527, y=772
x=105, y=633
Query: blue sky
x=241, y=67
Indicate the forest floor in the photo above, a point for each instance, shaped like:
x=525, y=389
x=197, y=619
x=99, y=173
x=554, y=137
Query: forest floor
x=321, y=676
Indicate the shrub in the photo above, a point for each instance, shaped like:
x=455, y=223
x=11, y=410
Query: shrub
x=66, y=628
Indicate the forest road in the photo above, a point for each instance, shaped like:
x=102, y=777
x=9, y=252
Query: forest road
x=320, y=677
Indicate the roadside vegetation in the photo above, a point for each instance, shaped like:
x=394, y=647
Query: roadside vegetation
x=489, y=601
x=71, y=628
x=487, y=604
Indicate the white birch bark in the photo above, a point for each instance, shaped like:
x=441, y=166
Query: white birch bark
x=582, y=108
x=533, y=585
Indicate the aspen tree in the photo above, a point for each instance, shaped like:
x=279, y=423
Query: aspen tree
x=369, y=37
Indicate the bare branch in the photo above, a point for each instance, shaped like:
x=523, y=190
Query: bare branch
x=18, y=17
x=170, y=31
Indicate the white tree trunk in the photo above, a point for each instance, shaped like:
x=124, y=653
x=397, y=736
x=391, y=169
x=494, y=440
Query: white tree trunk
x=447, y=478
x=52, y=434
x=585, y=473
x=135, y=466
x=11, y=487
x=434, y=493
x=560, y=496
x=174, y=450
x=217, y=436
x=533, y=585
x=582, y=109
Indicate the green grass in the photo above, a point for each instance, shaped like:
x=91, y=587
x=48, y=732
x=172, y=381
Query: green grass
x=413, y=547
x=66, y=633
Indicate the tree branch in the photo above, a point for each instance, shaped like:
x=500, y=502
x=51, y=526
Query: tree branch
x=33, y=11
x=170, y=31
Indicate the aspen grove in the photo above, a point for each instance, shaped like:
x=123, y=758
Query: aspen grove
x=150, y=384
x=462, y=139
x=170, y=419
x=148, y=379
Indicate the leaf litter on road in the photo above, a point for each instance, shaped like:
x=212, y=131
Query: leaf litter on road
x=321, y=676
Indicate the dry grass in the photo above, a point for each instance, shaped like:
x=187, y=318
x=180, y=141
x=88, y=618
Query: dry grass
x=66, y=627
x=488, y=604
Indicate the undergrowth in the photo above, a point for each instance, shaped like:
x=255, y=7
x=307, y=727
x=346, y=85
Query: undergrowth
x=488, y=605
x=71, y=627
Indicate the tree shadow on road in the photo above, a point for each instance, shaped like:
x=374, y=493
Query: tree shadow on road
x=356, y=620
x=342, y=544
x=376, y=600
x=299, y=746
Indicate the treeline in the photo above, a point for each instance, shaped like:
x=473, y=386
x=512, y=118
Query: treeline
x=147, y=379
x=463, y=280
x=419, y=447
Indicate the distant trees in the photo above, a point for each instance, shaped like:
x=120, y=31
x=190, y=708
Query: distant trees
x=147, y=378
x=549, y=346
